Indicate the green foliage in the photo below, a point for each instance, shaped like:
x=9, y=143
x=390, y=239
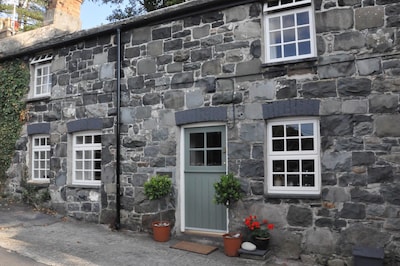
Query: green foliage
x=227, y=190
x=14, y=82
x=157, y=187
x=137, y=7
x=30, y=13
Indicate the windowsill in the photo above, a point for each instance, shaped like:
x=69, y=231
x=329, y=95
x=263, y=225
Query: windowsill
x=293, y=196
x=89, y=186
x=290, y=62
x=36, y=99
x=39, y=183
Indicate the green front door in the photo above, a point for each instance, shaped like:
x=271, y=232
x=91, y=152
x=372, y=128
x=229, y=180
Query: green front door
x=205, y=161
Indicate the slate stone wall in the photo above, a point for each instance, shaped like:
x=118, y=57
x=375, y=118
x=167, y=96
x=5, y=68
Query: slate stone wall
x=215, y=60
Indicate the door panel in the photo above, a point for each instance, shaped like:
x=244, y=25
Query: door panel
x=205, y=152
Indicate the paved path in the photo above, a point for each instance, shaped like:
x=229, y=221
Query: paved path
x=55, y=240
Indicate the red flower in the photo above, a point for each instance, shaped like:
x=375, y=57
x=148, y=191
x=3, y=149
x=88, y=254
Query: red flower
x=257, y=228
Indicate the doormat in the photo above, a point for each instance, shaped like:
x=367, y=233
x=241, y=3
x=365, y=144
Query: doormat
x=194, y=247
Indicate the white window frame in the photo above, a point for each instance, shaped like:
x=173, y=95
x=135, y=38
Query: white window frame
x=42, y=82
x=281, y=10
x=82, y=165
x=40, y=148
x=286, y=189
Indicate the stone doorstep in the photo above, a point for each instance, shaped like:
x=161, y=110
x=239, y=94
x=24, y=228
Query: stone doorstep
x=257, y=254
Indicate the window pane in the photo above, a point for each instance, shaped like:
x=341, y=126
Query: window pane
x=277, y=145
x=79, y=140
x=278, y=165
x=277, y=131
x=274, y=23
x=275, y=37
x=79, y=155
x=279, y=180
x=275, y=52
x=292, y=144
x=214, y=158
x=78, y=165
x=88, y=155
x=288, y=21
x=97, y=175
x=308, y=180
x=307, y=165
x=197, y=158
x=97, y=139
x=289, y=50
x=293, y=166
x=78, y=175
x=289, y=35
x=304, y=48
x=97, y=165
x=307, y=144
x=97, y=154
x=293, y=180
x=307, y=129
x=303, y=33
x=88, y=165
x=302, y=18
x=196, y=140
x=213, y=139
x=88, y=175
x=88, y=139
x=292, y=130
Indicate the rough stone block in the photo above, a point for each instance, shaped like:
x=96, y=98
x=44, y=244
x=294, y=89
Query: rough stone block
x=369, y=17
x=299, y=216
x=359, y=195
x=387, y=125
x=161, y=33
x=349, y=40
x=383, y=103
x=146, y=66
x=334, y=20
x=174, y=99
x=354, y=87
x=352, y=211
x=369, y=66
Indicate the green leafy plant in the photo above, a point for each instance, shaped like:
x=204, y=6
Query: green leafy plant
x=14, y=84
x=227, y=190
x=157, y=187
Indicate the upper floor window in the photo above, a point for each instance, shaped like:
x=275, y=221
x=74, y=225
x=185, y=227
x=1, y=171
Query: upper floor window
x=40, y=158
x=289, y=30
x=86, y=158
x=42, y=75
x=293, y=157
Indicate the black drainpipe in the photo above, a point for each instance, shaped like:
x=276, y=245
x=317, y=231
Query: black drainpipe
x=117, y=133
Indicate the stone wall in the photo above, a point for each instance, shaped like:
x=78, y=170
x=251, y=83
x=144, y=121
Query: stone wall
x=215, y=59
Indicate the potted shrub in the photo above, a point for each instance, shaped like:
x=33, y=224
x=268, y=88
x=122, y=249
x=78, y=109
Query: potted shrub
x=228, y=191
x=157, y=188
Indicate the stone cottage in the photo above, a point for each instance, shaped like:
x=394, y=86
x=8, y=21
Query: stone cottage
x=299, y=99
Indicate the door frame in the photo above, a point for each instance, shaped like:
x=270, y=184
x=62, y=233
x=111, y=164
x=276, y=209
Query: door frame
x=182, y=168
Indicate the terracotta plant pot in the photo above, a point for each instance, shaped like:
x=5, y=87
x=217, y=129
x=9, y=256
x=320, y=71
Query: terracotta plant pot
x=232, y=244
x=161, y=231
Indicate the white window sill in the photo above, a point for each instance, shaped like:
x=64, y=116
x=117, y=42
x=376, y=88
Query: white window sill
x=39, y=183
x=288, y=62
x=38, y=98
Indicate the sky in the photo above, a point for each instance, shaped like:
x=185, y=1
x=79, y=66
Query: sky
x=94, y=14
